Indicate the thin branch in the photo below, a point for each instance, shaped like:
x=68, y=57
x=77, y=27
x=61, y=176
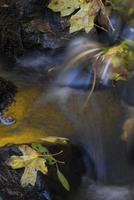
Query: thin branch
x=91, y=91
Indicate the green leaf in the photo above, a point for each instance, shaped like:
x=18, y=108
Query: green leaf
x=63, y=180
x=43, y=150
x=40, y=148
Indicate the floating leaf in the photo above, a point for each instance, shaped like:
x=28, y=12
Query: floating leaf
x=53, y=139
x=31, y=161
x=63, y=180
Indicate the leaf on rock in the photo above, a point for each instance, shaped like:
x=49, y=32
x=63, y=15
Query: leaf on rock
x=31, y=161
x=83, y=19
x=40, y=148
x=64, y=7
x=43, y=150
x=119, y=55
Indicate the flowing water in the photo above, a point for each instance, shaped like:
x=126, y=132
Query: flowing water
x=42, y=109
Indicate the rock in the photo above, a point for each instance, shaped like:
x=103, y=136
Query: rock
x=128, y=32
x=7, y=93
x=47, y=187
x=111, y=36
x=30, y=24
x=10, y=32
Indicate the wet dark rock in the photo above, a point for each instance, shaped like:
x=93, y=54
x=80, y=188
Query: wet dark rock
x=128, y=32
x=10, y=32
x=37, y=33
x=47, y=187
x=112, y=35
x=7, y=93
x=28, y=24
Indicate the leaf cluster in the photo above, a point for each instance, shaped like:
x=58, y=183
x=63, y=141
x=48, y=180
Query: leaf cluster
x=82, y=13
x=33, y=159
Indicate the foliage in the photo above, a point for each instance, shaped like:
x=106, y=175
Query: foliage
x=121, y=7
x=84, y=15
x=35, y=158
x=119, y=55
x=63, y=180
x=53, y=139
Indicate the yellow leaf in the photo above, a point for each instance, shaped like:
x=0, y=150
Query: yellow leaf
x=116, y=50
x=65, y=7
x=31, y=161
x=117, y=77
x=29, y=176
x=83, y=19
x=53, y=139
x=116, y=61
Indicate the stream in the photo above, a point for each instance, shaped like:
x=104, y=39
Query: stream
x=43, y=109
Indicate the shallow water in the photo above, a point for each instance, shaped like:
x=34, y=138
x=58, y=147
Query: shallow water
x=42, y=109
x=34, y=118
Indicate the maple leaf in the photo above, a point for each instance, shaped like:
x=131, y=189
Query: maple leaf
x=64, y=7
x=86, y=11
x=32, y=161
x=83, y=19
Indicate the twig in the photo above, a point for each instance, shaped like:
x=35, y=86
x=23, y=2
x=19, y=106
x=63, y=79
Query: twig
x=101, y=27
x=91, y=91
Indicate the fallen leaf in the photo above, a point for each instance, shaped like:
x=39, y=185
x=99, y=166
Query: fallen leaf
x=64, y=7
x=31, y=161
x=63, y=180
x=43, y=150
x=53, y=139
x=83, y=19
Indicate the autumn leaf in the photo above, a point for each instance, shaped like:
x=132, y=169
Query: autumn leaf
x=85, y=12
x=53, y=139
x=64, y=7
x=83, y=19
x=63, y=180
x=31, y=161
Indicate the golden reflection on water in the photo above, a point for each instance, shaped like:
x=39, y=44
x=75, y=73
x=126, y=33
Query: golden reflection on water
x=34, y=119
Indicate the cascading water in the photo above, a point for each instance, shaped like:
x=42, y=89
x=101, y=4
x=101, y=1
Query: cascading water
x=58, y=110
x=98, y=127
